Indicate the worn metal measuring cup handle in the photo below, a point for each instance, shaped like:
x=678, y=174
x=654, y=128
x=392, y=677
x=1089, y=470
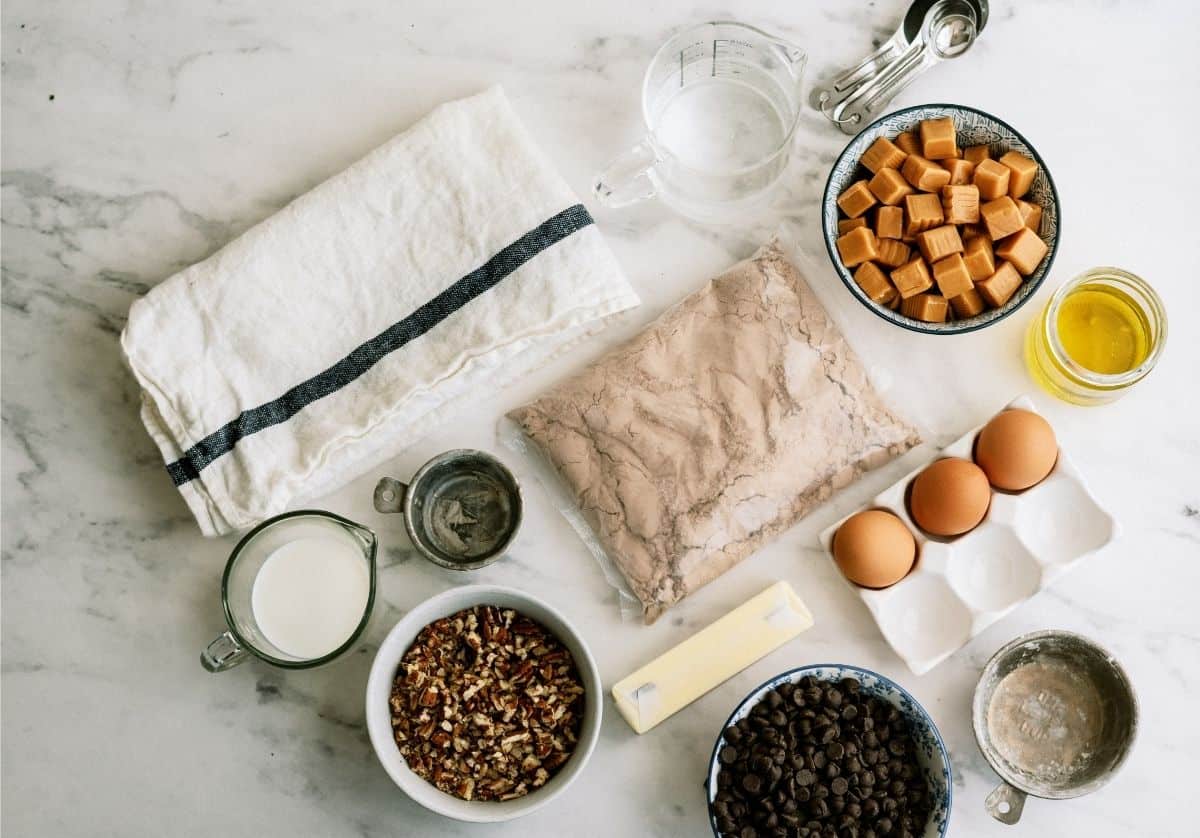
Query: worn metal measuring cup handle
x=626, y=180
x=223, y=653
x=389, y=495
x=1005, y=803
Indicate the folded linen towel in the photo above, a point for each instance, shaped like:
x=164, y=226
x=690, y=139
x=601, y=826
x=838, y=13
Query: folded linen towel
x=444, y=263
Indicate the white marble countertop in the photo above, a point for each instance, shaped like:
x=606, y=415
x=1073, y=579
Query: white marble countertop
x=139, y=137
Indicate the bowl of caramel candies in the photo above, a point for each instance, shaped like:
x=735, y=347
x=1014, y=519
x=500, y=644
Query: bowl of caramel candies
x=941, y=219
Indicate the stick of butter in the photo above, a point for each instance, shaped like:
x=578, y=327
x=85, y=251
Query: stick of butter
x=678, y=677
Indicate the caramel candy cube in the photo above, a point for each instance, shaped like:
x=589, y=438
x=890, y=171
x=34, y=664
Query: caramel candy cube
x=923, y=212
x=875, y=284
x=971, y=231
x=938, y=139
x=892, y=253
x=976, y=154
x=1022, y=171
x=1032, y=213
x=889, y=187
x=857, y=199
x=925, y=174
x=1001, y=217
x=960, y=171
x=939, y=243
x=991, y=178
x=857, y=246
x=951, y=276
x=848, y=224
x=889, y=223
x=977, y=255
x=1024, y=249
x=912, y=278
x=883, y=154
x=928, y=307
x=967, y=304
x=1000, y=286
x=908, y=143
x=960, y=204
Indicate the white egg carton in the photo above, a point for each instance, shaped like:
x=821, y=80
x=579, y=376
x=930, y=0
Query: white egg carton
x=960, y=586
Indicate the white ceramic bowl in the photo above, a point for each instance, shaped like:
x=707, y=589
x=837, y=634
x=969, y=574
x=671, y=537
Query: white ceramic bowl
x=383, y=672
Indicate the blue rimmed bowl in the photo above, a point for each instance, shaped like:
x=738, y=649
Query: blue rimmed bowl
x=931, y=751
x=974, y=127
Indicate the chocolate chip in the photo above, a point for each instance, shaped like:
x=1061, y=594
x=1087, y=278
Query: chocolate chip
x=820, y=760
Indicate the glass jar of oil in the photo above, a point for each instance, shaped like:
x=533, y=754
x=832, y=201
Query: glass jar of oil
x=1100, y=334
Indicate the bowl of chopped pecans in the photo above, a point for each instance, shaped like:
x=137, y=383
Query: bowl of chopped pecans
x=483, y=703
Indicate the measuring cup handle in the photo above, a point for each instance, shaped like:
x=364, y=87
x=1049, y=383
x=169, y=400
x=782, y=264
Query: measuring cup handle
x=626, y=180
x=223, y=653
x=1005, y=803
x=389, y=495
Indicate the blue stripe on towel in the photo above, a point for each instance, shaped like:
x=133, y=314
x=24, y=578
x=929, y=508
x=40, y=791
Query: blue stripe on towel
x=508, y=260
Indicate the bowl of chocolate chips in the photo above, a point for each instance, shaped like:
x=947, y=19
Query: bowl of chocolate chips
x=483, y=703
x=829, y=750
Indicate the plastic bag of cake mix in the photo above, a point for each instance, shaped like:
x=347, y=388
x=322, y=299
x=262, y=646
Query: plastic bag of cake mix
x=729, y=418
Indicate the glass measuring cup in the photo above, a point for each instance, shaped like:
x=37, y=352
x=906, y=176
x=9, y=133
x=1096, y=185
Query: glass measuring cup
x=720, y=102
x=245, y=636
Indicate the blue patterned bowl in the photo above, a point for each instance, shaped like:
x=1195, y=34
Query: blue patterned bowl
x=931, y=751
x=974, y=128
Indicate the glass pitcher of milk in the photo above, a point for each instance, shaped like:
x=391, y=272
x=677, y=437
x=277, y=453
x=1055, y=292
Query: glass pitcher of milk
x=297, y=592
x=720, y=102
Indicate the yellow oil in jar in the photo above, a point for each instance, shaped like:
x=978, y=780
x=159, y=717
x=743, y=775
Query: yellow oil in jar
x=1098, y=336
x=1103, y=329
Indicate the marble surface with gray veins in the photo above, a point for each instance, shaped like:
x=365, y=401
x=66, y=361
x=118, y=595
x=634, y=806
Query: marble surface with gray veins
x=139, y=137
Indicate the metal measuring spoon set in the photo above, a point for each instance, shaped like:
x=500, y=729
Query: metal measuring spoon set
x=932, y=31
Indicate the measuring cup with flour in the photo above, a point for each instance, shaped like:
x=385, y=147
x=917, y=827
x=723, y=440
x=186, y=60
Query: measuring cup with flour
x=461, y=509
x=1055, y=716
x=720, y=102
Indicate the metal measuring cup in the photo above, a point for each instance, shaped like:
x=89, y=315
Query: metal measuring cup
x=462, y=509
x=931, y=32
x=1052, y=692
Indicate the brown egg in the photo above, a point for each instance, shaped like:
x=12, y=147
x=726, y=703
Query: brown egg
x=950, y=497
x=874, y=549
x=1016, y=450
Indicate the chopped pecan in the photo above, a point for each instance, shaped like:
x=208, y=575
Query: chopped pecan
x=486, y=704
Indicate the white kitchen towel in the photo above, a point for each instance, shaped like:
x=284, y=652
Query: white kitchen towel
x=446, y=262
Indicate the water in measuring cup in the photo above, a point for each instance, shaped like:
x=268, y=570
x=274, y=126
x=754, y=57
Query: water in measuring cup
x=719, y=125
